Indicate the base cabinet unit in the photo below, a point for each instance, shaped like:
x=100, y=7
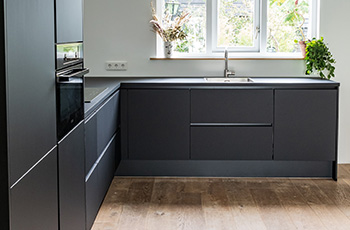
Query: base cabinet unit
x=157, y=124
x=34, y=198
x=102, y=154
x=306, y=124
x=272, y=129
x=231, y=143
x=71, y=180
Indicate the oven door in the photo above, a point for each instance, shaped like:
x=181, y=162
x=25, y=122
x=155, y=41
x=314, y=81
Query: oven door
x=70, y=99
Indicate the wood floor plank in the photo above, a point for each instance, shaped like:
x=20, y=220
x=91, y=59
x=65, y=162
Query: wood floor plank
x=164, y=210
x=329, y=214
x=216, y=207
x=136, y=206
x=243, y=207
x=271, y=210
x=298, y=209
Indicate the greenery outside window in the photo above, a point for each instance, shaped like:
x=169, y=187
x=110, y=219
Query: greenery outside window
x=245, y=27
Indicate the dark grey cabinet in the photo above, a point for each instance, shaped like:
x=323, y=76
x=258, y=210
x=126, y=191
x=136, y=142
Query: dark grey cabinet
x=69, y=21
x=231, y=124
x=158, y=124
x=31, y=85
x=100, y=128
x=305, y=124
x=28, y=168
x=102, y=154
x=34, y=198
x=231, y=106
x=99, y=180
x=71, y=180
x=231, y=143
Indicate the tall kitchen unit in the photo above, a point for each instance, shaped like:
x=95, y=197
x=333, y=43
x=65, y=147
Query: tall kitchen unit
x=28, y=143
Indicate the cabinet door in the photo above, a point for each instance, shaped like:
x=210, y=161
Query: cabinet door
x=69, y=20
x=305, y=124
x=231, y=143
x=107, y=122
x=72, y=180
x=90, y=142
x=31, y=85
x=93, y=200
x=158, y=124
x=232, y=106
x=34, y=203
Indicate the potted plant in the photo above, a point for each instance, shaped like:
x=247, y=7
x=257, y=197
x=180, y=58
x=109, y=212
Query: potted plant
x=319, y=59
x=170, y=29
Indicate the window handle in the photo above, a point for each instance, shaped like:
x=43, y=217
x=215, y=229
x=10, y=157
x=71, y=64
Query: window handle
x=257, y=31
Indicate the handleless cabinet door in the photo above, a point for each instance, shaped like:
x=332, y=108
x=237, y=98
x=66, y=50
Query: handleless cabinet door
x=72, y=180
x=231, y=106
x=305, y=124
x=69, y=20
x=34, y=203
x=158, y=124
x=31, y=84
x=91, y=153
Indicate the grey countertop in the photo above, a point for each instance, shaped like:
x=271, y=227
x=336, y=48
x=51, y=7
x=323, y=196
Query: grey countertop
x=114, y=83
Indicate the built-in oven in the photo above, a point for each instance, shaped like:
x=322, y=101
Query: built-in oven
x=69, y=88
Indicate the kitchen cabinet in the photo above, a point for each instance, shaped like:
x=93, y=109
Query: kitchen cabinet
x=102, y=154
x=28, y=188
x=158, y=124
x=69, y=21
x=231, y=124
x=100, y=128
x=270, y=127
x=231, y=106
x=305, y=124
x=71, y=179
x=34, y=197
x=231, y=143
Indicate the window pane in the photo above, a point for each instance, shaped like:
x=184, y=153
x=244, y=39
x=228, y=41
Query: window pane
x=195, y=27
x=235, y=23
x=288, y=20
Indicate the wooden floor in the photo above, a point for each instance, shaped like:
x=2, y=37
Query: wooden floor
x=227, y=203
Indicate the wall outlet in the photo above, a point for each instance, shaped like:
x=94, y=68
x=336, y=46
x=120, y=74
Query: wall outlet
x=116, y=65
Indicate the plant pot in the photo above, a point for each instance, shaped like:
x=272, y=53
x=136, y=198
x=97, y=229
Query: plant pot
x=168, y=49
x=302, y=45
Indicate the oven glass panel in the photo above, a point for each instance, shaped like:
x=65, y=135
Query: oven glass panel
x=70, y=105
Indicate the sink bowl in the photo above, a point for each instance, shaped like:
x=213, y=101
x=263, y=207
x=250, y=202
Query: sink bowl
x=229, y=80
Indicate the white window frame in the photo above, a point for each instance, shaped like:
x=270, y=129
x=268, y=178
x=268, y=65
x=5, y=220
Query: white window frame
x=260, y=44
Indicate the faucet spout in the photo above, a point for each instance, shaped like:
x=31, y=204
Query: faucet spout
x=227, y=72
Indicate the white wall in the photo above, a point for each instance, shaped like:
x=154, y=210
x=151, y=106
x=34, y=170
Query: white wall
x=119, y=30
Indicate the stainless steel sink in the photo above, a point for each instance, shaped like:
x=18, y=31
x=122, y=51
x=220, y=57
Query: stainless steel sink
x=229, y=80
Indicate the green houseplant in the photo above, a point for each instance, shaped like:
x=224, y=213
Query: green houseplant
x=319, y=59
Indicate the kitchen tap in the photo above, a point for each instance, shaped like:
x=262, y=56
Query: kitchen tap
x=227, y=72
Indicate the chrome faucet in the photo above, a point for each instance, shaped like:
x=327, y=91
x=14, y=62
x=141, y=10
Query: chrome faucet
x=227, y=72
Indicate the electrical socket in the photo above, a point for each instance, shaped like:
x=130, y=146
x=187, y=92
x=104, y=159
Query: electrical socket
x=116, y=65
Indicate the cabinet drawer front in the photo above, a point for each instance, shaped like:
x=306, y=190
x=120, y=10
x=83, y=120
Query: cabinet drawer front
x=90, y=143
x=107, y=122
x=231, y=143
x=237, y=106
x=93, y=201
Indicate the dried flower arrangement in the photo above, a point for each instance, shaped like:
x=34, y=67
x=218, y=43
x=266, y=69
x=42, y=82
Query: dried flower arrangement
x=169, y=30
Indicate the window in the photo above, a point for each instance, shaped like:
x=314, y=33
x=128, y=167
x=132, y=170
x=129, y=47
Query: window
x=267, y=27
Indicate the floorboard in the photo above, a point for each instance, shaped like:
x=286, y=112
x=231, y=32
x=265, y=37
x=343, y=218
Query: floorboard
x=226, y=203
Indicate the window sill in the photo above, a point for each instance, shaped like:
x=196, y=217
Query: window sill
x=231, y=58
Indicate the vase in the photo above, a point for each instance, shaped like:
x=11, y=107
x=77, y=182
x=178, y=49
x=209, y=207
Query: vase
x=302, y=45
x=168, y=49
